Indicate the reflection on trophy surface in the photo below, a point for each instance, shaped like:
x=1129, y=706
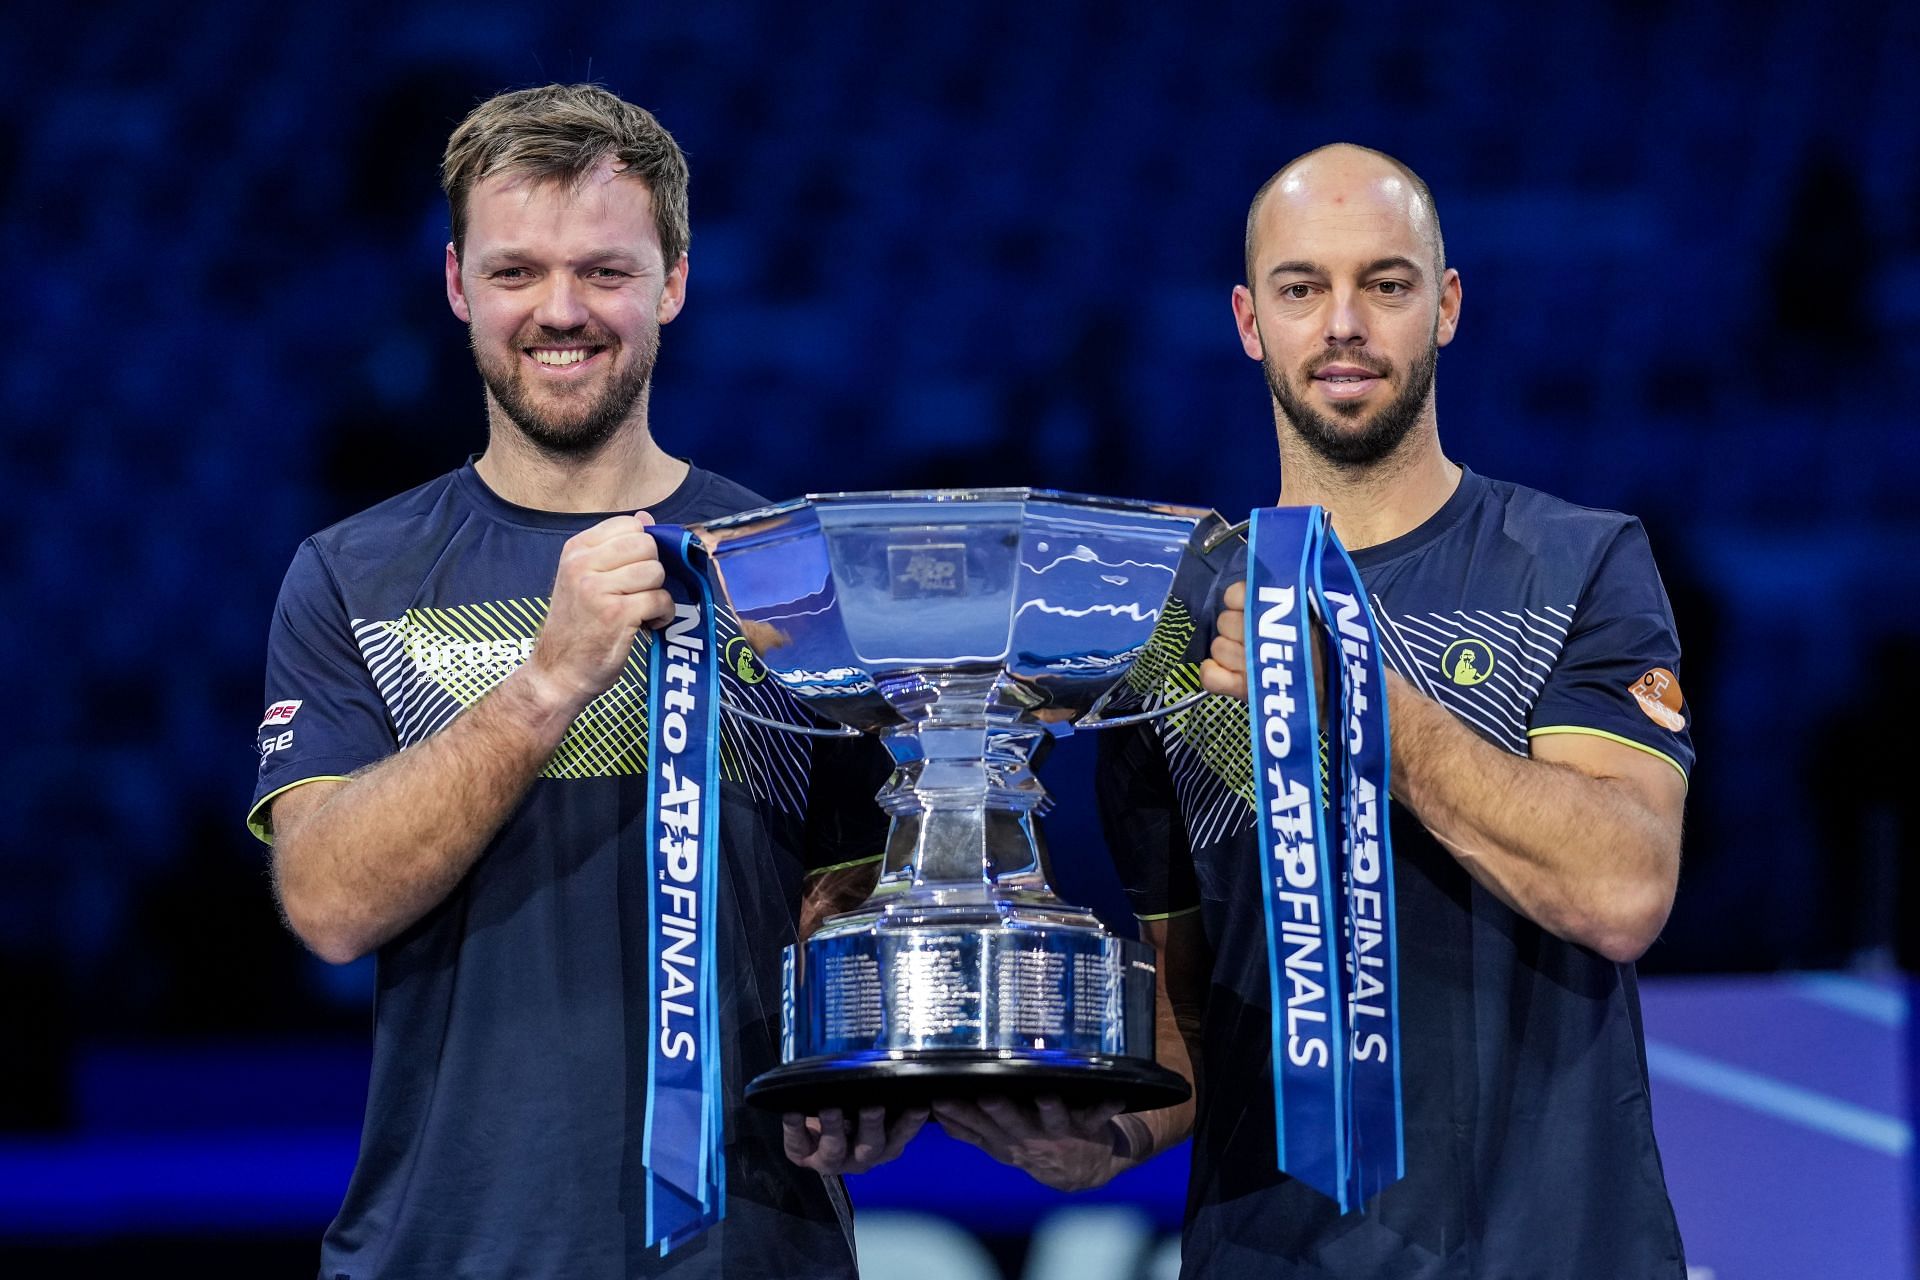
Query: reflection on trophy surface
x=962, y=627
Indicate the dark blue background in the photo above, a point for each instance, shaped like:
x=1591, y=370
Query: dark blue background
x=932, y=245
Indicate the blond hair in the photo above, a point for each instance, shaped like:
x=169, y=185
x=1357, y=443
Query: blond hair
x=563, y=132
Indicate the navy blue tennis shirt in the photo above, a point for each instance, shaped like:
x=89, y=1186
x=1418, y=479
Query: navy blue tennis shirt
x=505, y=1110
x=1530, y=1148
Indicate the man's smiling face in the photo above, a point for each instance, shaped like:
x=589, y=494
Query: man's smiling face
x=564, y=290
x=1348, y=306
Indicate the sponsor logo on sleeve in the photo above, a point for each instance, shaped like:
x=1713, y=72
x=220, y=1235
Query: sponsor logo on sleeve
x=281, y=713
x=1658, y=693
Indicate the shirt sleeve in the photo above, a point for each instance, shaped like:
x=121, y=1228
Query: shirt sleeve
x=844, y=827
x=324, y=714
x=1140, y=817
x=1140, y=811
x=1618, y=676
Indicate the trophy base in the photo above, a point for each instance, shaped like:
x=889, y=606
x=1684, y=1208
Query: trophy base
x=913, y=1080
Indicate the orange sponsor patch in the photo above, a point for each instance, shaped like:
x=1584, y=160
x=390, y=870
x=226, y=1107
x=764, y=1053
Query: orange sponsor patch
x=1658, y=693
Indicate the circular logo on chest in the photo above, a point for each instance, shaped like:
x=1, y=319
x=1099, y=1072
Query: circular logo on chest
x=743, y=662
x=1467, y=662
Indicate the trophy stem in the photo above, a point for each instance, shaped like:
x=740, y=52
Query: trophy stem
x=965, y=806
x=957, y=849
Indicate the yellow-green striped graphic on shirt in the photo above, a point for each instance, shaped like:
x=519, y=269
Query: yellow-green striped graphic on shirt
x=432, y=663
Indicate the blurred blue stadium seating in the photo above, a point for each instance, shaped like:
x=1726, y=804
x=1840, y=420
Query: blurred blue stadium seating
x=936, y=245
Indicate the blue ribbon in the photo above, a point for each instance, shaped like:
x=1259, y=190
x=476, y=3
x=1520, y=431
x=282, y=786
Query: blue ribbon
x=1376, y=1124
x=1326, y=860
x=683, y=1144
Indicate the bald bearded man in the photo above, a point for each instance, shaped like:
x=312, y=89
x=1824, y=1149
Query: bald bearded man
x=1540, y=758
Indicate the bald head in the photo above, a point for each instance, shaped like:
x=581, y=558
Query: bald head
x=1344, y=175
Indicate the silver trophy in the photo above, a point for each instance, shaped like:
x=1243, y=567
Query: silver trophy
x=963, y=627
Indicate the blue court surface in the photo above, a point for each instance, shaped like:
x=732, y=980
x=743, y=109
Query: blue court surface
x=1780, y=1103
x=1783, y=1112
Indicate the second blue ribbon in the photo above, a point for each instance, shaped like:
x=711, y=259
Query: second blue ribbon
x=1326, y=859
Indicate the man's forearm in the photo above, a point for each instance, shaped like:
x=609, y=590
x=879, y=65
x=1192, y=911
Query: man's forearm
x=1145, y=1134
x=1585, y=856
x=380, y=851
x=1179, y=1010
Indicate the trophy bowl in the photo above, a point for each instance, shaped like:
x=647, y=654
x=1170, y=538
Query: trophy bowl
x=963, y=628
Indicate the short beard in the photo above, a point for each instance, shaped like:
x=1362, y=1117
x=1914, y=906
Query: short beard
x=1376, y=439
x=585, y=434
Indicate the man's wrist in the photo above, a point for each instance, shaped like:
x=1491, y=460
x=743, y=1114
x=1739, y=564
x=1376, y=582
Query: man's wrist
x=538, y=702
x=1132, y=1140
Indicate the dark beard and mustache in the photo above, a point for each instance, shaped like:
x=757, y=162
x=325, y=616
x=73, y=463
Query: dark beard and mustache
x=565, y=429
x=1375, y=439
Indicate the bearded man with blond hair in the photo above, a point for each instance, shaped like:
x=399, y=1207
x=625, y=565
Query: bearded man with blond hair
x=454, y=757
